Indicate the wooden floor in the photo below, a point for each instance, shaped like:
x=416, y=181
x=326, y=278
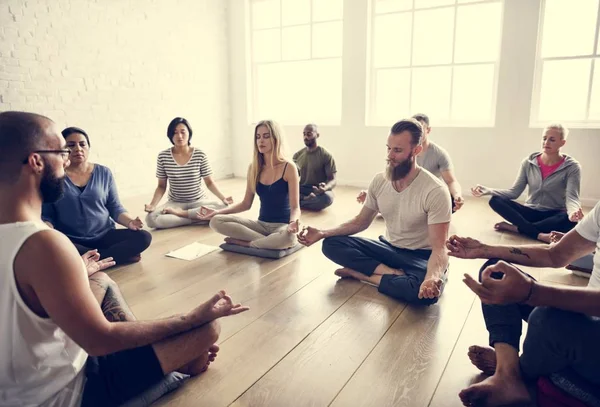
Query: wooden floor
x=311, y=339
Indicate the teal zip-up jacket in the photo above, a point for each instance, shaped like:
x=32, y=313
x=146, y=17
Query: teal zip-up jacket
x=560, y=190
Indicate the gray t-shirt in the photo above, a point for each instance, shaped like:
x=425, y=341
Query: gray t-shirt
x=435, y=160
x=407, y=214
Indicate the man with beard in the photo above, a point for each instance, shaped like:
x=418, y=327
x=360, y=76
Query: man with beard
x=317, y=172
x=69, y=338
x=436, y=160
x=410, y=263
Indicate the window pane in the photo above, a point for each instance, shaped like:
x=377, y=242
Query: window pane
x=392, y=92
x=434, y=31
x=387, y=6
x=569, y=27
x=326, y=10
x=469, y=1
x=295, y=12
x=473, y=92
x=266, y=45
x=478, y=30
x=432, y=3
x=595, y=101
x=564, y=90
x=327, y=40
x=431, y=91
x=295, y=42
x=286, y=91
x=265, y=14
x=391, y=45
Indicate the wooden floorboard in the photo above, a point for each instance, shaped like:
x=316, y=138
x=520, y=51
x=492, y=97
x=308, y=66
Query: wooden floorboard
x=309, y=338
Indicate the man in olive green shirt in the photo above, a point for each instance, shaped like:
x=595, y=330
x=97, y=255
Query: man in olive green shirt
x=317, y=172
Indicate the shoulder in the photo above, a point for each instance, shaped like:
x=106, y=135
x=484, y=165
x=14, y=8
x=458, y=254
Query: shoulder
x=378, y=180
x=430, y=181
x=290, y=166
x=572, y=162
x=298, y=153
x=103, y=171
x=165, y=153
x=324, y=152
x=197, y=153
x=438, y=149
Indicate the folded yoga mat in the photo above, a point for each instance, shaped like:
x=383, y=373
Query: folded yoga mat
x=191, y=251
x=265, y=253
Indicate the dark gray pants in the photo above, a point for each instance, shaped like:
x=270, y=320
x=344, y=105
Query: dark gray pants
x=556, y=340
x=364, y=255
x=318, y=203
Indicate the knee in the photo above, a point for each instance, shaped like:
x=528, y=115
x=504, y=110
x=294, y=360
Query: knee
x=326, y=199
x=550, y=319
x=215, y=222
x=331, y=245
x=151, y=220
x=496, y=201
x=214, y=330
x=145, y=238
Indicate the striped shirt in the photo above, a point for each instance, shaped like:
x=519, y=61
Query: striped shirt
x=185, y=181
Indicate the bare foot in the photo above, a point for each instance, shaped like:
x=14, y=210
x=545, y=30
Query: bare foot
x=545, y=237
x=231, y=240
x=344, y=272
x=483, y=358
x=496, y=391
x=556, y=236
x=200, y=365
x=382, y=270
x=507, y=227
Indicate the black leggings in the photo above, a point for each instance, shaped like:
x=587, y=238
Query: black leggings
x=120, y=244
x=531, y=222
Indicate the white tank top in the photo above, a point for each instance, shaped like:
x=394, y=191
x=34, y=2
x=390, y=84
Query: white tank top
x=39, y=363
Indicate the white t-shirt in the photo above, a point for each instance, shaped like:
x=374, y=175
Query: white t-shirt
x=407, y=214
x=589, y=228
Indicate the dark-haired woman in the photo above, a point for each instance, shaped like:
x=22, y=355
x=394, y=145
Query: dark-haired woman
x=90, y=207
x=184, y=167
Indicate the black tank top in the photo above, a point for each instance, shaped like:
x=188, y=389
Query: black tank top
x=274, y=201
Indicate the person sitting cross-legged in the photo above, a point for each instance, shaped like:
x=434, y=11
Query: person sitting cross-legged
x=410, y=264
x=563, y=322
x=68, y=338
x=317, y=172
x=552, y=179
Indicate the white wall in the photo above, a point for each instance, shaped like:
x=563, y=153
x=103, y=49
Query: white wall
x=121, y=70
x=489, y=156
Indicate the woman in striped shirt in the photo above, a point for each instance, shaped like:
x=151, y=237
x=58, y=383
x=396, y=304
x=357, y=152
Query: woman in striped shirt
x=184, y=167
x=275, y=180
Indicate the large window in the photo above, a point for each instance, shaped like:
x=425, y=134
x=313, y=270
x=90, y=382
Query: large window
x=567, y=77
x=438, y=57
x=296, y=50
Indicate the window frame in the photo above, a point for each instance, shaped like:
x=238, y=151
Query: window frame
x=534, y=120
x=371, y=114
x=252, y=104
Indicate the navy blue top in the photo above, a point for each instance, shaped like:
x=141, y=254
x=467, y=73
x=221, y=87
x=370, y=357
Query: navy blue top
x=86, y=215
x=274, y=201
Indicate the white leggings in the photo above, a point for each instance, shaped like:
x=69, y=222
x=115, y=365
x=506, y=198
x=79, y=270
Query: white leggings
x=159, y=220
x=261, y=235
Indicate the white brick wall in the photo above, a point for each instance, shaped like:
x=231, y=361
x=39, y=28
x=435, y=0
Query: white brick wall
x=121, y=70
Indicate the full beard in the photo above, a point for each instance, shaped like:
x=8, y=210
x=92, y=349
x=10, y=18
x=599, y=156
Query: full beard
x=399, y=171
x=52, y=188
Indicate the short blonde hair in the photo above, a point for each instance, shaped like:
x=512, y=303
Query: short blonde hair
x=564, y=132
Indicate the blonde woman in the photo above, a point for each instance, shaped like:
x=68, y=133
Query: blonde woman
x=275, y=180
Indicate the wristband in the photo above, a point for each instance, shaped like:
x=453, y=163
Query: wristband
x=526, y=300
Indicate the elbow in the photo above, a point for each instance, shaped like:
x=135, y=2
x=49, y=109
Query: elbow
x=556, y=260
